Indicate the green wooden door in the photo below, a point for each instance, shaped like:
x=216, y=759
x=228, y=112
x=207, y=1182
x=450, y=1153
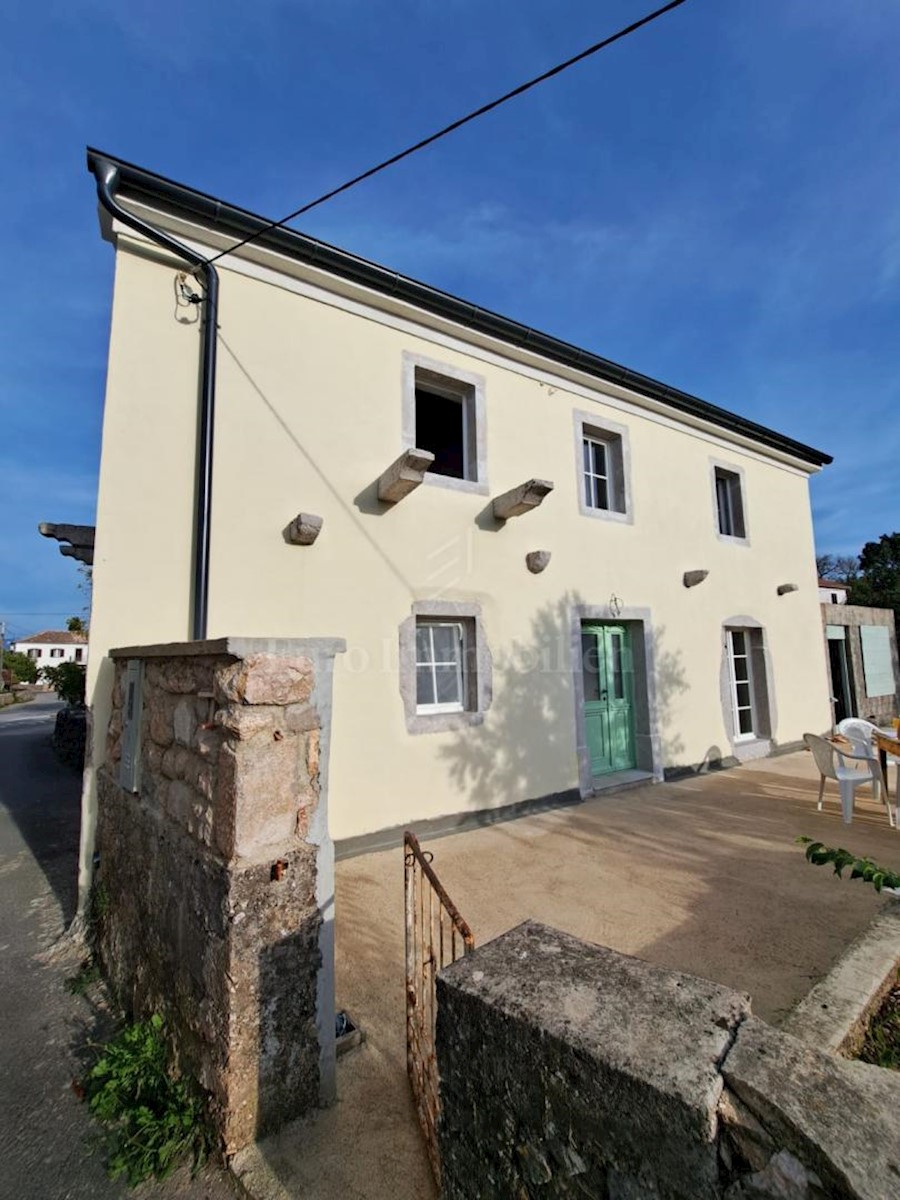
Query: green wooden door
x=608, y=675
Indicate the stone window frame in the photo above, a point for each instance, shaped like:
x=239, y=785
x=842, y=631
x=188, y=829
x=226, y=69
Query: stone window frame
x=471, y=387
x=718, y=464
x=480, y=668
x=764, y=711
x=616, y=435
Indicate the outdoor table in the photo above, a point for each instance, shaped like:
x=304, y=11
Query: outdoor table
x=887, y=742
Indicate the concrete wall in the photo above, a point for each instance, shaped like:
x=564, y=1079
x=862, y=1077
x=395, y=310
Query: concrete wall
x=310, y=413
x=880, y=709
x=569, y=1070
x=214, y=890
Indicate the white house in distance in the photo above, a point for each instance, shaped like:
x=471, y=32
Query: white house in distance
x=53, y=647
x=553, y=574
x=831, y=592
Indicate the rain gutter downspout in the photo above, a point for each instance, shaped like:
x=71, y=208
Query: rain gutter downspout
x=107, y=175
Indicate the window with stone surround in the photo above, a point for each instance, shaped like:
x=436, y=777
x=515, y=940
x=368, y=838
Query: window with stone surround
x=603, y=458
x=444, y=413
x=445, y=667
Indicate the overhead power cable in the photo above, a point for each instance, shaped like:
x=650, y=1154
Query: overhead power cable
x=451, y=128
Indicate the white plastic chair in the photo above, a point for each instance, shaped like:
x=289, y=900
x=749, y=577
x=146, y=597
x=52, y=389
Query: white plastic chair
x=847, y=778
x=861, y=736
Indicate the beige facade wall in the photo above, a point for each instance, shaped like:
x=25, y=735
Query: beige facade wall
x=309, y=413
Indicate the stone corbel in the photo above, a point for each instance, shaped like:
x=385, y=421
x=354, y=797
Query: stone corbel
x=537, y=560
x=784, y=588
x=404, y=475
x=692, y=578
x=79, y=537
x=304, y=529
x=521, y=499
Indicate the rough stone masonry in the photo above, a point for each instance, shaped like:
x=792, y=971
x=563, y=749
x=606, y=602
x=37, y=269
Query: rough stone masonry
x=213, y=896
x=570, y=1070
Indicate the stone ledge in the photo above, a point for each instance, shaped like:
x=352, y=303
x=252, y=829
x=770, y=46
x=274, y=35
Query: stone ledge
x=238, y=647
x=839, y=1118
x=834, y=1014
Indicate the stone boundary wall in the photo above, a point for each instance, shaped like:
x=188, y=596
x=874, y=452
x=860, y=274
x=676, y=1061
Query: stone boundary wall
x=213, y=894
x=570, y=1070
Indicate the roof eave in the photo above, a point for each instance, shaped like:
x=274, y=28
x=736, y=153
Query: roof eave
x=236, y=222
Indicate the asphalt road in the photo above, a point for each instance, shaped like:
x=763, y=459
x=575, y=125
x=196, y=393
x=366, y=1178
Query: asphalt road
x=48, y=1143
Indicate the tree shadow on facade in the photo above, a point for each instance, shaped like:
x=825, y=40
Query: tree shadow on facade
x=528, y=746
x=528, y=738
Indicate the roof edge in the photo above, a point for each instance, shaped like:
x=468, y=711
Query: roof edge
x=232, y=221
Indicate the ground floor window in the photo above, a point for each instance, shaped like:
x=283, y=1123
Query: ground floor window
x=442, y=669
x=445, y=666
x=741, y=683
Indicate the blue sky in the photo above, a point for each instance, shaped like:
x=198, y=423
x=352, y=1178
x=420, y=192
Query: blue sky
x=715, y=201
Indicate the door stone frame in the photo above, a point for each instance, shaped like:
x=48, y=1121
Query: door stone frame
x=647, y=742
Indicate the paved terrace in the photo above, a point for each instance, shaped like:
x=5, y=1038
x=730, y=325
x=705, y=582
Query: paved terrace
x=701, y=875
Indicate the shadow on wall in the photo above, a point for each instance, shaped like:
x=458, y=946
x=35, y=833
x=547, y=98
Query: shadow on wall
x=671, y=682
x=530, y=720
x=529, y=729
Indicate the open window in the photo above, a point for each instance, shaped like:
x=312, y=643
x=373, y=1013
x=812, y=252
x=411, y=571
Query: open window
x=603, y=463
x=444, y=414
x=445, y=666
x=729, y=503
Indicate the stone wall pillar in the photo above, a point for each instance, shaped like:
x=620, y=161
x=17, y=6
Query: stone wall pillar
x=214, y=893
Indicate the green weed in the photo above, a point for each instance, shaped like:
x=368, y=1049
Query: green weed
x=882, y=1044
x=87, y=975
x=154, y=1118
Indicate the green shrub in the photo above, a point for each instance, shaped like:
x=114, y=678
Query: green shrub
x=154, y=1117
x=68, y=681
x=22, y=667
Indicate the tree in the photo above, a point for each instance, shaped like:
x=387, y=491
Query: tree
x=842, y=568
x=76, y=625
x=67, y=680
x=23, y=667
x=878, y=583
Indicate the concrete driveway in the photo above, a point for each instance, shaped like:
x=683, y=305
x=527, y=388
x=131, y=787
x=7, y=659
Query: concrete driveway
x=702, y=875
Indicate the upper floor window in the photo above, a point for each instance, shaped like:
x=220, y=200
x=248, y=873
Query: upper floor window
x=603, y=459
x=445, y=424
x=79, y=653
x=729, y=503
x=444, y=413
x=34, y=652
x=56, y=652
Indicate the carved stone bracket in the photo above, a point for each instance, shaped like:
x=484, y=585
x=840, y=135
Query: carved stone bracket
x=784, y=588
x=304, y=529
x=79, y=537
x=692, y=578
x=404, y=475
x=537, y=560
x=521, y=499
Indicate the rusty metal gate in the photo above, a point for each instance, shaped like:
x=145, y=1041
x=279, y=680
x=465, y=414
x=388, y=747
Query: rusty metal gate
x=436, y=935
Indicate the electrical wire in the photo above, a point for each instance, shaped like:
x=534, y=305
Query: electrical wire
x=458, y=124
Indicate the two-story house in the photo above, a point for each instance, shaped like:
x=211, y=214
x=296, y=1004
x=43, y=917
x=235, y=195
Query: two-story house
x=51, y=647
x=553, y=573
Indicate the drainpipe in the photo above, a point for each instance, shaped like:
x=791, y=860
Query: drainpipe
x=107, y=176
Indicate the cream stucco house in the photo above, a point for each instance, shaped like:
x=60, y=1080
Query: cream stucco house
x=553, y=574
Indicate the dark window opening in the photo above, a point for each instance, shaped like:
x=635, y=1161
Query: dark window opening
x=441, y=429
x=729, y=503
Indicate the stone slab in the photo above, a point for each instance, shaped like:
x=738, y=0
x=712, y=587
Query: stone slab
x=625, y=1054
x=839, y=1118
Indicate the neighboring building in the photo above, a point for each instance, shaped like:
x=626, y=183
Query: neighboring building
x=831, y=592
x=53, y=647
x=862, y=657
x=675, y=626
